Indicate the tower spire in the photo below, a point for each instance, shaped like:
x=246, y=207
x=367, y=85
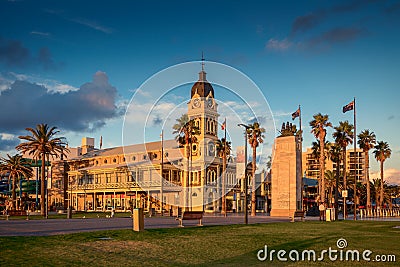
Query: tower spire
x=202, y=73
x=202, y=61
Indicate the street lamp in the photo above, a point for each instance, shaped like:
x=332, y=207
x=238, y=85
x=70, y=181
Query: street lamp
x=246, y=220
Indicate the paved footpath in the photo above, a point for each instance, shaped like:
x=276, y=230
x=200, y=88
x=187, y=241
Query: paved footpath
x=66, y=226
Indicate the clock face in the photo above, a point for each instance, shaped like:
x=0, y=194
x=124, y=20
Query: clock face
x=210, y=103
x=196, y=103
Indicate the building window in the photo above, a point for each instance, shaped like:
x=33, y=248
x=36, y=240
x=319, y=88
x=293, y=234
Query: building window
x=133, y=158
x=90, y=179
x=175, y=176
x=105, y=161
x=114, y=160
x=108, y=178
x=139, y=175
x=133, y=176
x=97, y=179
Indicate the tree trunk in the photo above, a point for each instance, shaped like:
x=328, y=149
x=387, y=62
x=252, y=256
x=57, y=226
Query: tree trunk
x=322, y=168
x=337, y=189
x=43, y=187
x=344, y=158
x=14, y=195
x=253, y=184
x=367, y=180
x=224, y=183
x=187, y=178
x=381, y=196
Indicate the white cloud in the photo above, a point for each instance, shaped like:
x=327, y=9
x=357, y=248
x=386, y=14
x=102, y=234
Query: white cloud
x=7, y=136
x=392, y=176
x=86, y=108
x=92, y=24
x=52, y=86
x=282, y=114
x=40, y=33
x=140, y=92
x=278, y=45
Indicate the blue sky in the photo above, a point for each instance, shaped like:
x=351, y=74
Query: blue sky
x=85, y=59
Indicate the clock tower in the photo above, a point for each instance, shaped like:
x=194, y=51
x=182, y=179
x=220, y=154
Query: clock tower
x=202, y=108
x=205, y=165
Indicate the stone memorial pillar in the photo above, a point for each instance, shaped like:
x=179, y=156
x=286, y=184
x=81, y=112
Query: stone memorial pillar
x=286, y=175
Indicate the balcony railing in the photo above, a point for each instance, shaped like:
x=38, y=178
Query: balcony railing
x=124, y=185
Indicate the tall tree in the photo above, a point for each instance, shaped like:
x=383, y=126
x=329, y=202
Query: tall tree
x=186, y=131
x=43, y=144
x=376, y=186
x=382, y=152
x=318, y=129
x=223, y=150
x=367, y=141
x=330, y=184
x=334, y=154
x=255, y=137
x=343, y=137
x=16, y=168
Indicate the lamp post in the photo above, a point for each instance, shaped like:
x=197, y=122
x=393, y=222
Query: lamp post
x=161, y=171
x=246, y=220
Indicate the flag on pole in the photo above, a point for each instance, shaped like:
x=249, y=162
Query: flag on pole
x=296, y=114
x=101, y=141
x=348, y=107
x=223, y=125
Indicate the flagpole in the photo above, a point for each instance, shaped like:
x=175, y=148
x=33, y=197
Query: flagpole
x=301, y=160
x=300, y=122
x=224, y=175
x=161, y=173
x=355, y=162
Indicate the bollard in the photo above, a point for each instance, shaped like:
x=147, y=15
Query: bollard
x=138, y=220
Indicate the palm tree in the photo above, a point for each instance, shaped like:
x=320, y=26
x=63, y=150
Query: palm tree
x=42, y=144
x=255, y=137
x=186, y=131
x=330, y=183
x=382, y=152
x=223, y=150
x=343, y=137
x=376, y=185
x=17, y=168
x=355, y=186
x=366, y=141
x=318, y=125
x=334, y=154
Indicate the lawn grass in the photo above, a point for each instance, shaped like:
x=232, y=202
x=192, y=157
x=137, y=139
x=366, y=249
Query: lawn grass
x=232, y=245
